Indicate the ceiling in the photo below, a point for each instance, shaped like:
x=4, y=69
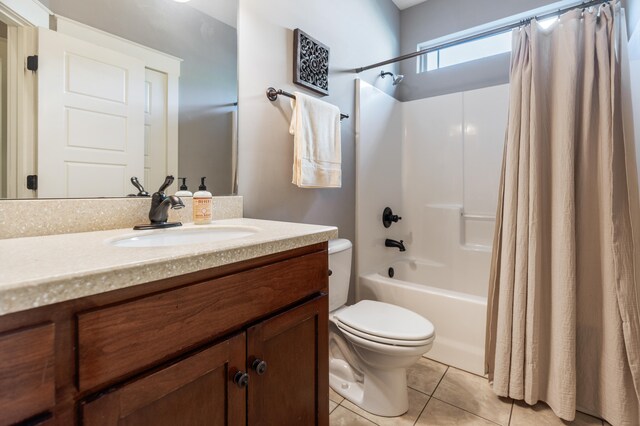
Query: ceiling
x=223, y=10
x=403, y=4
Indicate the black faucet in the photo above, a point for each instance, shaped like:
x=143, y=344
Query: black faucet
x=160, y=203
x=139, y=187
x=393, y=243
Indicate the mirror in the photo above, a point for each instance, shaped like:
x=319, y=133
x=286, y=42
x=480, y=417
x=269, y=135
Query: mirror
x=201, y=34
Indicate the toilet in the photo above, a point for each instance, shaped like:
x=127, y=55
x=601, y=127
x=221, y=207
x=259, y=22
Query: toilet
x=371, y=344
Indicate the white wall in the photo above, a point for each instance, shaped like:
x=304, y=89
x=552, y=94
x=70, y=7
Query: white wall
x=378, y=177
x=358, y=32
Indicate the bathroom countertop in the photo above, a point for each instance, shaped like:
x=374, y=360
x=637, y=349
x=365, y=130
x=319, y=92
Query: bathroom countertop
x=40, y=271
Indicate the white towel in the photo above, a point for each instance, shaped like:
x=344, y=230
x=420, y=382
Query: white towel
x=315, y=125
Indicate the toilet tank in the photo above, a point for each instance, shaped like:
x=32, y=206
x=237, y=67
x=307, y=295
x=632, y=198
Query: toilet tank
x=340, y=266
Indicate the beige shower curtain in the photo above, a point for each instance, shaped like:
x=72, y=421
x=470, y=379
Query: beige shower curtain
x=563, y=320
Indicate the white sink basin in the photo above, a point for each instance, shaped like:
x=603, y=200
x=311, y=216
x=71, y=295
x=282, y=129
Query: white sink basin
x=184, y=236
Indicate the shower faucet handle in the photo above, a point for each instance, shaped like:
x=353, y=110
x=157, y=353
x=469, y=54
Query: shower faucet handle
x=388, y=217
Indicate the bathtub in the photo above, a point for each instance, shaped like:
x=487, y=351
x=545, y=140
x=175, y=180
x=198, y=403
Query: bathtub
x=459, y=317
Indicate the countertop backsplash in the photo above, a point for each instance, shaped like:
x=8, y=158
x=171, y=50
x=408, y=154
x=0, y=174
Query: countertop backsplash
x=30, y=218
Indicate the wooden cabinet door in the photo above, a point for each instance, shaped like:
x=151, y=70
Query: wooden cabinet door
x=294, y=387
x=197, y=390
x=27, y=376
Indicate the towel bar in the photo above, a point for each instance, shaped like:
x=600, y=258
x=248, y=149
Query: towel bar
x=272, y=95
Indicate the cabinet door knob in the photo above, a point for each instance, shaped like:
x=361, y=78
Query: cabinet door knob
x=241, y=379
x=259, y=366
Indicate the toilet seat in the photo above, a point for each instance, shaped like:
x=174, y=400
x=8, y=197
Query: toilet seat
x=383, y=340
x=385, y=323
x=389, y=351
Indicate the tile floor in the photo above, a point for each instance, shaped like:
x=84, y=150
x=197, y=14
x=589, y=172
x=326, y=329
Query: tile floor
x=443, y=395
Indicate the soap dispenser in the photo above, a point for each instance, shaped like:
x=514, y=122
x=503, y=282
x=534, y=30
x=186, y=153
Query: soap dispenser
x=202, y=201
x=184, y=191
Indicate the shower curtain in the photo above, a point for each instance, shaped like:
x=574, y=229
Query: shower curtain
x=563, y=318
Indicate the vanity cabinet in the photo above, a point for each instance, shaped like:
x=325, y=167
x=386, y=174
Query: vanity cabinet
x=244, y=343
x=277, y=383
x=197, y=390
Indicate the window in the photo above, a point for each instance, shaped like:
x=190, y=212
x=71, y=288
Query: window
x=470, y=50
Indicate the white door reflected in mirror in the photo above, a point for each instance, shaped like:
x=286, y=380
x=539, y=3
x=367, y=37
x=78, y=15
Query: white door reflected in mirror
x=177, y=101
x=90, y=118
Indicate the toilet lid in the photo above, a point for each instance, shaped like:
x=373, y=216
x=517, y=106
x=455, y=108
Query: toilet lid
x=383, y=340
x=387, y=321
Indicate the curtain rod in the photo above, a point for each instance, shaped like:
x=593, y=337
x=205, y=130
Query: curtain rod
x=481, y=35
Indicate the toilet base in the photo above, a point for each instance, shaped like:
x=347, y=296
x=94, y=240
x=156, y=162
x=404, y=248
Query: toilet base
x=380, y=392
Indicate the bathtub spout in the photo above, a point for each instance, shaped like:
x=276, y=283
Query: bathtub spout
x=393, y=243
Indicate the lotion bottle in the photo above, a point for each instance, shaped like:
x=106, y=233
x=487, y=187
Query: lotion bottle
x=202, y=201
x=184, y=191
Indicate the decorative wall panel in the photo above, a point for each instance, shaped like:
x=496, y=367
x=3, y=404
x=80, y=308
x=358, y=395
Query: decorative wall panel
x=310, y=62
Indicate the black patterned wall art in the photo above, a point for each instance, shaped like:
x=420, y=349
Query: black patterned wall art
x=310, y=62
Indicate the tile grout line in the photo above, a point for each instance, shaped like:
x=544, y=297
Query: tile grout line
x=477, y=415
x=467, y=411
x=334, y=408
x=418, y=390
x=377, y=424
x=362, y=417
x=423, y=408
x=338, y=404
x=430, y=396
x=440, y=381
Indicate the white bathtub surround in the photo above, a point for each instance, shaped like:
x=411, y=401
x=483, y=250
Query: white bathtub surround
x=379, y=172
x=452, y=157
x=436, y=162
x=563, y=302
